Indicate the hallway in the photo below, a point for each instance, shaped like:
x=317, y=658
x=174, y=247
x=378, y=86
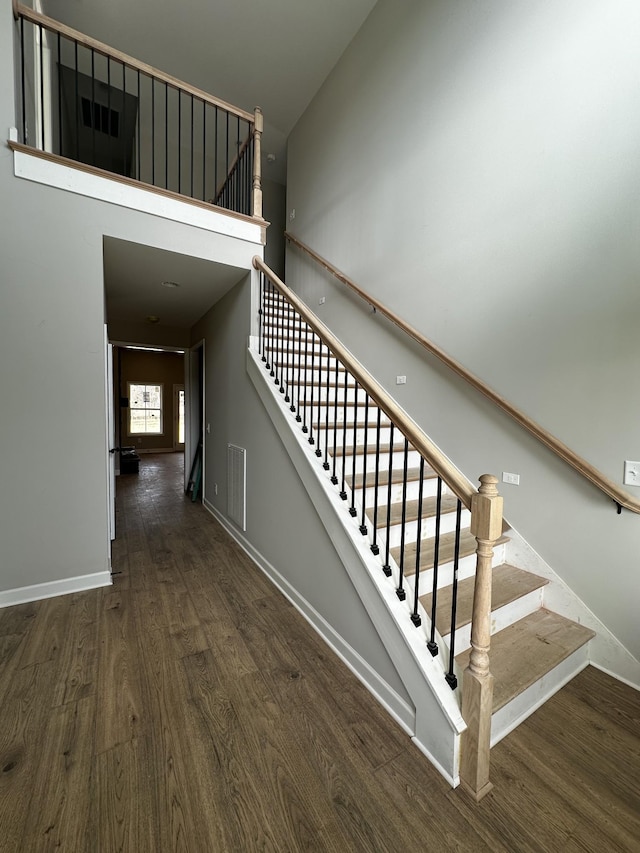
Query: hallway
x=190, y=708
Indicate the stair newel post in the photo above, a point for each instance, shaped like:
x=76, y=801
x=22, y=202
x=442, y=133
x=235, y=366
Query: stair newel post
x=256, y=201
x=477, y=687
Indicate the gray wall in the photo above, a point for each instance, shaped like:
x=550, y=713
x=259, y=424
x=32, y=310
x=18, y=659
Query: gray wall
x=475, y=167
x=282, y=524
x=53, y=513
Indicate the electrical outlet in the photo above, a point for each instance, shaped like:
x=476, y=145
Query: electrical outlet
x=322, y=300
x=401, y=380
x=631, y=473
x=208, y=428
x=513, y=479
x=292, y=215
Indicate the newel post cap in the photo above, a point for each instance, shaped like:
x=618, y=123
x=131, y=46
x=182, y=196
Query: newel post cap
x=486, y=510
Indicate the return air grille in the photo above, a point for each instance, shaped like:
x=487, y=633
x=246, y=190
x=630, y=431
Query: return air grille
x=236, y=485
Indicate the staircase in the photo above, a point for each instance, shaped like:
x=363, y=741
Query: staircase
x=418, y=529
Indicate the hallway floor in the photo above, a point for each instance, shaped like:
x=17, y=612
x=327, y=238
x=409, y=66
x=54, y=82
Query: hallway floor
x=190, y=708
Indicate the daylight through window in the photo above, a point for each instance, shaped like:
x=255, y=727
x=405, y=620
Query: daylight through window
x=145, y=409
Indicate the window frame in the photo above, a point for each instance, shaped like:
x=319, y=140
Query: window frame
x=159, y=409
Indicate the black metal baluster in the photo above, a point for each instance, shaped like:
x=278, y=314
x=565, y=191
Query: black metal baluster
x=42, y=86
x=363, y=526
x=268, y=290
x=204, y=151
x=261, y=318
x=77, y=101
x=313, y=382
x=432, y=645
x=192, y=147
x=450, y=677
x=24, y=95
x=325, y=464
x=59, y=100
x=166, y=137
x=124, y=108
x=374, y=545
x=291, y=343
x=272, y=331
x=94, y=114
x=153, y=131
x=139, y=134
x=343, y=493
x=227, y=158
x=305, y=428
x=318, y=414
x=400, y=592
x=237, y=171
x=109, y=103
x=352, y=509
x=299, y=324
x=415, y=616
x=334, y=478
x=386, y=568
x=215, y=153
x=279, y=342
x=180, y=141
x=286, y=346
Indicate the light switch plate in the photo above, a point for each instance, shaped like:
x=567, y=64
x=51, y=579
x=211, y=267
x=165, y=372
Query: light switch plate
x=513, y=479
x=631, y=473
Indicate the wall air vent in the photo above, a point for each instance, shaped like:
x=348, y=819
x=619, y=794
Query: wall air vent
x=101, y=118
x=236, y=485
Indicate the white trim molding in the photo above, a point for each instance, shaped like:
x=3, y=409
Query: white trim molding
x=41, y=170
x=50, y=589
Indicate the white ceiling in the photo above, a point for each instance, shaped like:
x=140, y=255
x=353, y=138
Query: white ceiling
x=274, y=55
x=133, y=282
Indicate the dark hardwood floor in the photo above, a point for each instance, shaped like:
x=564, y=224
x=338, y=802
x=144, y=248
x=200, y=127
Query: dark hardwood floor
x=190, y=708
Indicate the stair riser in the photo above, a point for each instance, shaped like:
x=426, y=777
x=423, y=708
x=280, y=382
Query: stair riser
x=515, y=712
x=428, y=529
x=299, y=382
x=336, y=401
x=501, y=618
x=356, y=437
x=413, y=461
x=429, y=489
x=466, y=569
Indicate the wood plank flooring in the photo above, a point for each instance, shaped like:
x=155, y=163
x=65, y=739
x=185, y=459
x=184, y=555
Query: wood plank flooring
x=190, y=708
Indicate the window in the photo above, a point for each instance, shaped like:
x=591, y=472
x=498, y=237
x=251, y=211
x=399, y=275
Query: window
x=145, y=409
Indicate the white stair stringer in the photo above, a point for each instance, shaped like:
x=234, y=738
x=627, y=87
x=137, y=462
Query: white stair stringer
x=438, y=722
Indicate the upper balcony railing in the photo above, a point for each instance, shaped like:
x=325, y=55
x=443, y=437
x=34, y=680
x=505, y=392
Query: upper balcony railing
x=87, y=102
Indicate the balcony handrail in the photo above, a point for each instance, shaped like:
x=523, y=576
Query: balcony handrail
x=22, y=11
x=418, y=439
x=578, y=463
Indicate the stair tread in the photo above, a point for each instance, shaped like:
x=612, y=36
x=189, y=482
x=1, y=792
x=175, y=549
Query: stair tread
x=372, y=426
x=524, y=652
x=397, y=475
x=360, y=449
x=448, y=504
x=508, y=583
x=445, y=553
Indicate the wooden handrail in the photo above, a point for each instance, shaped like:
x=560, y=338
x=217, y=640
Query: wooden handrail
x=417, y=438
x=21, y=11
x=600, y=480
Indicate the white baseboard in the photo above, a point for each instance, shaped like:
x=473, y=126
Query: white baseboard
x=395, y=706
x=140, y=450
x=38, y=591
